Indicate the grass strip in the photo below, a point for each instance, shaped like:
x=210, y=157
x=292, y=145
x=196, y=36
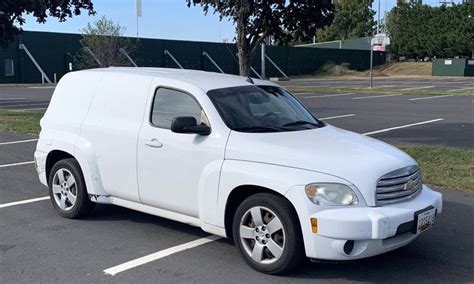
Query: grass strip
x=25, y=122
x=443, y=166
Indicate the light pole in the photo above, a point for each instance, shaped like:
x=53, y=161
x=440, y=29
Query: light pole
x=378, y=17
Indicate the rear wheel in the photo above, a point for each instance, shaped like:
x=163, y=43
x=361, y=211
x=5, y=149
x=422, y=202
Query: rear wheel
x=67, y=190
x=267, y=233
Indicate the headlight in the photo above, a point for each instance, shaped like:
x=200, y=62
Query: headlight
x=331, y=194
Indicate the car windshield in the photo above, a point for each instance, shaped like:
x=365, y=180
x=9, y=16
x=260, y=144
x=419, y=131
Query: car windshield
x=261, y=109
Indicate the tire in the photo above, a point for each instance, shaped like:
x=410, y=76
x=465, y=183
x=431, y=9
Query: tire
x=273, y=260
x=69, y=196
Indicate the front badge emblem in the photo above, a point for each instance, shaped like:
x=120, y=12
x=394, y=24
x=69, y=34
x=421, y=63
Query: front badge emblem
x=410, y=185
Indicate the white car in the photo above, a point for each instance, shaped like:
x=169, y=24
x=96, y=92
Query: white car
x=239, y=157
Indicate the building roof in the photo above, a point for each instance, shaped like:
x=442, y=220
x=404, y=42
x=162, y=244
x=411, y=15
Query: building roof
x=202, y=79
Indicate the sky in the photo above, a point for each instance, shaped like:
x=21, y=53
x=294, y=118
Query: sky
x=164, y=19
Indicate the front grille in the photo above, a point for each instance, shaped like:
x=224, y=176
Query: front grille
x=398, y=185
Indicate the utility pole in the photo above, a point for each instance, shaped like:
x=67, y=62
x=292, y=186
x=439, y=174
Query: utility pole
x=138, y=11
x=378, y=17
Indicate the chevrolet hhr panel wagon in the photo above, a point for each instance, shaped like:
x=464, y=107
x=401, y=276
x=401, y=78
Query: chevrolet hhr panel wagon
x=240, y=158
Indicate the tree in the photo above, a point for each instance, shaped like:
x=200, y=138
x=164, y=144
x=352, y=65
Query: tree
x=418, y=30
x=12, y=13
x=101, y=42
x=352, y=19
x=256, y=20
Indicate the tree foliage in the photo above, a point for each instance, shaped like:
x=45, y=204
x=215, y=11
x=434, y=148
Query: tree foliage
x=352, y=19
x=256, y=20
x=104, y=38
x=418, y=30
x=12, y=13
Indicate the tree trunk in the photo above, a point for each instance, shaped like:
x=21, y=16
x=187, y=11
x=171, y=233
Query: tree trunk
x=245, y=61
x=243, y=46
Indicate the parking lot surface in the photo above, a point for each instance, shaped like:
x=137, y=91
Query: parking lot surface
x=37, y=245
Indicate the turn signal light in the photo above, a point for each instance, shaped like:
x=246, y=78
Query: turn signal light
x=314, y=225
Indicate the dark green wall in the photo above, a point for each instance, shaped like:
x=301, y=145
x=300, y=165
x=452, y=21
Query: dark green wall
x=54, y=51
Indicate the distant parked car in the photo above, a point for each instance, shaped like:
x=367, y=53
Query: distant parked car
x=240, y=158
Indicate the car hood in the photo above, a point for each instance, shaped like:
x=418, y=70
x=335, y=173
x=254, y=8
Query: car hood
x=358, y=159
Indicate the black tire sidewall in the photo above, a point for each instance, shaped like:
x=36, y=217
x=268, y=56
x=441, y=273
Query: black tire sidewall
x=293, y=252
x=83, y=204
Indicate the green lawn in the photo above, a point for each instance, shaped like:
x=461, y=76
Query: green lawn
x=20, y=121
x=443, y=166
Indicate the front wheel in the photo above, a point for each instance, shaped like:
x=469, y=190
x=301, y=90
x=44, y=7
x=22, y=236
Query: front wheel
x=267, y=233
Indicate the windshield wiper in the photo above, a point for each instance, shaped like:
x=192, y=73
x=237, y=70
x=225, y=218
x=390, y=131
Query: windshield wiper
x=300, y=122
x=258, y=129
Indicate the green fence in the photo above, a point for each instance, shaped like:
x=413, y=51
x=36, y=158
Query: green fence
x=55, y=52
x=453, y=67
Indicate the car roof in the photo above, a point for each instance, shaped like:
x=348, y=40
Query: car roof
x=205, y=80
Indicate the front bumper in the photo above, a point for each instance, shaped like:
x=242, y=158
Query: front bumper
x=374, y=230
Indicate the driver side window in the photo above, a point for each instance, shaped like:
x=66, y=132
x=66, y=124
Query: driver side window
x=169, y=104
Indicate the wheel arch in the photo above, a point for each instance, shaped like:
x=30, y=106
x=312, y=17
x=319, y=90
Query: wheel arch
x=238, y=195
x=53, y=157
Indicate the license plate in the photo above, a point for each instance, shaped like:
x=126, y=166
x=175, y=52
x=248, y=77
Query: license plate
x=425, y=220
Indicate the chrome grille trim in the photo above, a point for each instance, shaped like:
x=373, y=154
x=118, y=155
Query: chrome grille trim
x=392, y=187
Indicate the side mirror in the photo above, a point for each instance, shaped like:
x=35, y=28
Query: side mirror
x=188, y=124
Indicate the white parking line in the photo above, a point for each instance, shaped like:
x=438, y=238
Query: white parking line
x=18, y=142
x=24, y=202
x=374, y=97
x=338, y=116
x=160, y=254
x=42, y=87
x=463, y=89
x=432, y=97
x=402, y=126
x=17, y=164
x=11, y=99
x=418, y=88
x=31, y=109
x=327, y=96
x=23, y=105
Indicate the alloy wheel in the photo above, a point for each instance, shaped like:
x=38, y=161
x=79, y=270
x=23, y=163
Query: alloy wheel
x=262, y=235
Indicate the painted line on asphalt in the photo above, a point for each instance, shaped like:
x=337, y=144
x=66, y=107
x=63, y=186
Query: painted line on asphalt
x=31, y=109
x=384, y=86
x=402, y=126
x=338, y=116
x=160, y=254
x=328, y=96
x=374, y=97
x=11, y=99
x=42, y=87
x=463, y=89
x=17, y=164
x=418, y=88
x=432, y=97
x=25, y=105
x=5, y=205
x=18, y=142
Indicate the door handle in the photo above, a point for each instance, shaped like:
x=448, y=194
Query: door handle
x=154, y=143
